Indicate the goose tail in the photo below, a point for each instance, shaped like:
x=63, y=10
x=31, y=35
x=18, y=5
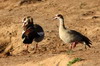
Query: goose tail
x=87, y=41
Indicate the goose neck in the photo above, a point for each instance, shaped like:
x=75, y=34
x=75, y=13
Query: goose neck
x=62, y=26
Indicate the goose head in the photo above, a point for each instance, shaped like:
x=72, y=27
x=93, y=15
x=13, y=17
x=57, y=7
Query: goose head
x=27, y=20
x=58, y=16
x=61, y=20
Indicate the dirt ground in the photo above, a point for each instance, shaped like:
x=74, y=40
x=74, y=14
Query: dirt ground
x=80, y=15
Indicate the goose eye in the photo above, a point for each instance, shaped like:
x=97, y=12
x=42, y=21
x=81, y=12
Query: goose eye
x=25, y=23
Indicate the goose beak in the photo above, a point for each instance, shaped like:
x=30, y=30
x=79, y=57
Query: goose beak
x=54, y=18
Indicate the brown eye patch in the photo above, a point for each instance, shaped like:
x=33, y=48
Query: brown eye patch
x=59, y=15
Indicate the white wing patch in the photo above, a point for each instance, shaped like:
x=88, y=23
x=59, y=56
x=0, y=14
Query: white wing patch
x=40, y=33
x=23, y=31
x=23, y=39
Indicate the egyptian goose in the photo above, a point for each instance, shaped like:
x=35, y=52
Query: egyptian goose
x=31, y=32
x=71, y=36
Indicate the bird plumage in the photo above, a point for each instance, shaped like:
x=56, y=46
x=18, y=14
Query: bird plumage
x=79, y=37
x=31, y=32
x=71, y=36
x=29, y=35
x=40, y=32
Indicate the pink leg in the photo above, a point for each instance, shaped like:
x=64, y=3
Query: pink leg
x=70, y=47
x=27, y=46
x=74, y=44
x=36, y=47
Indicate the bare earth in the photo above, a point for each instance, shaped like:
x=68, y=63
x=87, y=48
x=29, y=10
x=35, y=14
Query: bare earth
x=80, y=15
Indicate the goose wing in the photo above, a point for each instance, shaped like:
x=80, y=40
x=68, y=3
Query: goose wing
x=75, y=36
x=78, y=36
x=39, y=31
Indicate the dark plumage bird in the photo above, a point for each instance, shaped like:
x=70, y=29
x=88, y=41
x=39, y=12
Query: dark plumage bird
x=31, y=32
x=71, y=36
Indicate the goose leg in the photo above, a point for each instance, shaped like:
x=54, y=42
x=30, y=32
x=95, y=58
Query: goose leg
x=36, y=47
x=27, y=47
x=70, y=47
x=74, y=44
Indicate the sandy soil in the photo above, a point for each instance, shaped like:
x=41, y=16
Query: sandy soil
x=80, y=15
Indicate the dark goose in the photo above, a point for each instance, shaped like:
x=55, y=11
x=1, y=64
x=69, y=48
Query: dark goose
x=35, y=33
x=31, y=32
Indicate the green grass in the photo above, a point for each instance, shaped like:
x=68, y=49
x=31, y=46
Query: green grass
x=74, y=61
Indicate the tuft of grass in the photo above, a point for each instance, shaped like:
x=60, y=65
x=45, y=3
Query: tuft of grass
x=74, y=61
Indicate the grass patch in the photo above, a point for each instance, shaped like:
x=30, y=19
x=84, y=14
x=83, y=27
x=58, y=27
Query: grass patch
x=74, y=61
